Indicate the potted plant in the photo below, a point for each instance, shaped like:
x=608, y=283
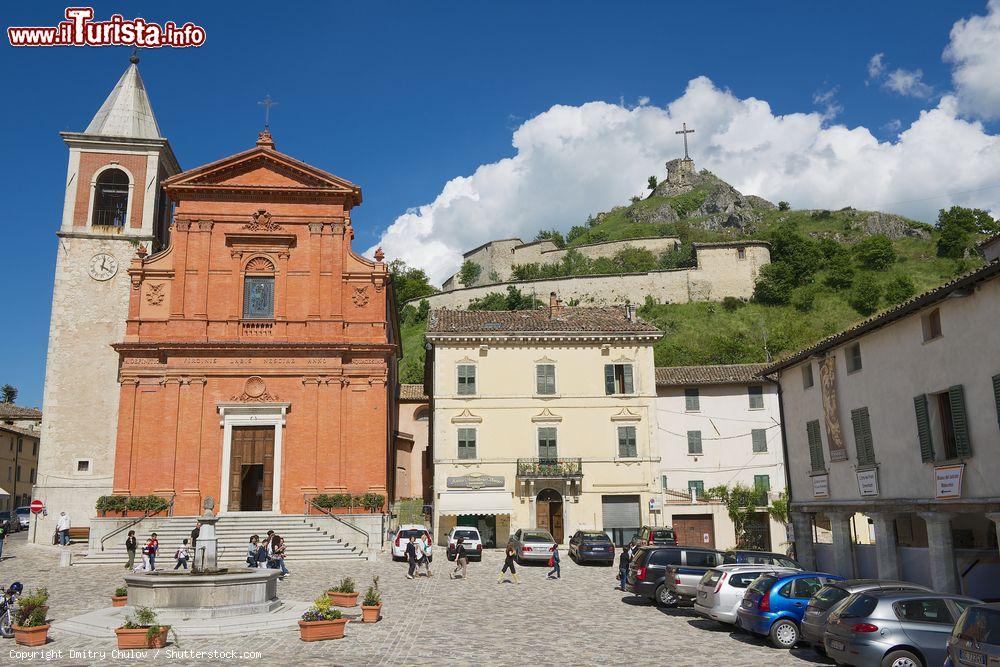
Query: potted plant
x=30, y=626
x=371, y=607
x=120, y=598
x=345, y=594
x=321, y=621
x=142, y=630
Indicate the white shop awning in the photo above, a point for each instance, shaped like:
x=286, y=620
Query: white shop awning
x=493, y=501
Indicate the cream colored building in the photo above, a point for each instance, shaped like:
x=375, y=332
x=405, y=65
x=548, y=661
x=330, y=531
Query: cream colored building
x=542, y=419
x=20, y=430
x=898, y=418
x=414, y=468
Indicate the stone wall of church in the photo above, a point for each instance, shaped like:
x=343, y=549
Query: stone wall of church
x=719, y=273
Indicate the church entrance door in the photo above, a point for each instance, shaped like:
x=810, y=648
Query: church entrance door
x=251, y=469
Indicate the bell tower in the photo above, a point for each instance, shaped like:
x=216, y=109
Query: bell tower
x=114, y=203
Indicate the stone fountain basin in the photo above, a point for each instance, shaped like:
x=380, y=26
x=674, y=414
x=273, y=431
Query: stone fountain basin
x=176, y=595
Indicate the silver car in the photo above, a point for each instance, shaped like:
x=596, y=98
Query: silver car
x=721, y=589
x=892, y=628
x=532, y=544
x=976, y=637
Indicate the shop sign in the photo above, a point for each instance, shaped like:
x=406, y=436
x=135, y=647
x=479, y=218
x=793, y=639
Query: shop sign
x=476, y=481
x=868, y=482
x=948, y=481
x=821, y=486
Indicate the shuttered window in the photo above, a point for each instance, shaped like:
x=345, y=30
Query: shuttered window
x=626, y=442
x=815, y=446
x=996, y=395
x=547, y=443
x=466, y=380
x=960, y=421
x=692, y=399
x=924, y=437
x=618, y=379
x=863, y=436
x=466, y=443
x=694, y=442
x=698, y=486
x=762, y=483
x=545, y=379
x=759, y=438
x=756, y=397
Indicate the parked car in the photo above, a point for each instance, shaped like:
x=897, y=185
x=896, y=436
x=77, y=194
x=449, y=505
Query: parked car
x=682, y=578
x=403, y=535
x=648, y=570
x=774, y=604
x=24, y=516
x=975, y=639
x=721, y=589
x=591, y=545
x=761, y=558
x=902, y=629
x=471, y=540
x=533, y=544
x=822, y=604
x=660, y=536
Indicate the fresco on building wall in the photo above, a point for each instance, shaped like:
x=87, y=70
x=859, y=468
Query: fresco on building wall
x=834, y=434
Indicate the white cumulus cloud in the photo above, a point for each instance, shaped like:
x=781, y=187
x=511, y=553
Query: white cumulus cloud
x=909, y=83
x=974, y=51
x=573, y=161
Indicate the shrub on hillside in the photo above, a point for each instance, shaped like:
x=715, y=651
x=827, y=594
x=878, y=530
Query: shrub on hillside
x=513, y=300
x=553, y=235
x=866, y=295
x=575, y=232
x=632, y=260
x=899, y=289
x=875, y=252
x=803, y=298
x=775, y=283
x=783, y=206
x=731, y=303
x=800, y=253
x=839, y=272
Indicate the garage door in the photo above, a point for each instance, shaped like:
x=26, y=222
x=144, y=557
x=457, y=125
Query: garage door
x=695, y=530
x=622, y=519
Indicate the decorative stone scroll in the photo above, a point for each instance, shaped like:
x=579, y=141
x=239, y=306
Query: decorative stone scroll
x=155, y=294
x=360, y=297
x=261, y=220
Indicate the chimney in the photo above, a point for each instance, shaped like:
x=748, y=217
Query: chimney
x=555, y=305
x=629, y=312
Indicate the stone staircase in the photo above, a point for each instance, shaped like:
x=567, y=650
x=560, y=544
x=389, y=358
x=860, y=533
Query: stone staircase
x=304, y=539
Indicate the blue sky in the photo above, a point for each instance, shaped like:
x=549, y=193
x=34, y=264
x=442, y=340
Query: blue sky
x=406, y=98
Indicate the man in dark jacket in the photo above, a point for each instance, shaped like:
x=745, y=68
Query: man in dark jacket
x=623, y=562
x=411, y=556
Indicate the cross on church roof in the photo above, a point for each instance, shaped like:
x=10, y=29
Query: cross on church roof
x=685, y=132
x=267, y=103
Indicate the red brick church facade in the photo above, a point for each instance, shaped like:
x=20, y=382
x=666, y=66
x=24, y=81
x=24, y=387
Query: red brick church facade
x=259, y=359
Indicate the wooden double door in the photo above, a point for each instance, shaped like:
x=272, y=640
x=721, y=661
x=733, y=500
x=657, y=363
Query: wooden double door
x=549, y=513
x=251, y=469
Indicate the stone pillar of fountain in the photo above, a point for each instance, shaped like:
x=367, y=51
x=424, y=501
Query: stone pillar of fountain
x=206, y=557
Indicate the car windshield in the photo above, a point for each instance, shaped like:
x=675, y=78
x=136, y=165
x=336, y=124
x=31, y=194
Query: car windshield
x=596, y=538
x=537, y=537
x=763, y=584
x=466, y=534
x=743, y=579
x=22, y=510
x=711, y=578
x=860, y=607
x=661, y=535
x=827, y=597
x=980, y=624
x=412, y=532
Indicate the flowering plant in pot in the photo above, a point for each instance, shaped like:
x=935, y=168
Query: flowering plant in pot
x=345, y=594
x=142, y=630
x=30, y=626
x=120, y=598
x=321, y=621
x=371, y=606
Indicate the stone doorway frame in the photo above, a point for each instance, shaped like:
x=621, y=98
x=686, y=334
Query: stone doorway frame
x=243, y=414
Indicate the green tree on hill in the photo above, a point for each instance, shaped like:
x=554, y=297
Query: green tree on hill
x=875, y=252
x=866, y=295
x=8, y=393
x=958, y=225
x=899, y=289
x=775, y=283
x=783, y=206
x=651, y=183
x=839, y=272
x=800, y=253
x=633, y=260
x=553, y=235
x=469, y=273
x=408, y=282
x=513, y=300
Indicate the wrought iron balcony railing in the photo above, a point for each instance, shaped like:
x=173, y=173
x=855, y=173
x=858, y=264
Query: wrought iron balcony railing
x=562, y=468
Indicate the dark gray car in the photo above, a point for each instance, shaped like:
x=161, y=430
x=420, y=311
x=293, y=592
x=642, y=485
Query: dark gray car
x=893, y=629
x=975, y=640
x=827, y=598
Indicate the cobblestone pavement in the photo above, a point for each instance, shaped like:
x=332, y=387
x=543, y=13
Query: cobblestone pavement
x=578, y=620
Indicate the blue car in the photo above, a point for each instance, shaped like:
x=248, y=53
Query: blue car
x=774, y=604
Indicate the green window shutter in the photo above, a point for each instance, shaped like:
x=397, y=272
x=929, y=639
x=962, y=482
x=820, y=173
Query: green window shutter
x=691, y=399
x=815, y=446
x=694, y=442
x=863, y=436
x=960, y=421
x=759, y=438
x=996, y=395
x=627, y=373
x=609, y=379
x=924, y=428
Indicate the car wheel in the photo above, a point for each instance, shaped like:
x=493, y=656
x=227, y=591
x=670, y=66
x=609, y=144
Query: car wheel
x=784, y=634
x=664, y=598
x=902, y=658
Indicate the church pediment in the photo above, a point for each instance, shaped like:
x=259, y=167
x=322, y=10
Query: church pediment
x=262, y=170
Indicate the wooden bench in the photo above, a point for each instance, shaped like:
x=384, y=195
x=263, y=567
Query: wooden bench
x=79, y=534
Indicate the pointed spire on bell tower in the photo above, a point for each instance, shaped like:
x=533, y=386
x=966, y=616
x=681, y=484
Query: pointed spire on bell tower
x=127, y=111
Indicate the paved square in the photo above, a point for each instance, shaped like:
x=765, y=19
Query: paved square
x=579, y=620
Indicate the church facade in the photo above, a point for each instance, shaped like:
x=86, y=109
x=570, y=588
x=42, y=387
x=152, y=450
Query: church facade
x=258, y=362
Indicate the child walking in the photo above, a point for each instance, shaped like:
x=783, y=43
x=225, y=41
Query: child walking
x=554, y=563
x=508, y=564
x=182, y=556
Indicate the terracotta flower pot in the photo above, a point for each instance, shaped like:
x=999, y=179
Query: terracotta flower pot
x=371, y=614
x=136, y=637
x=343, y=599
x=119, y=600
x=314, y=631
x=31, y=636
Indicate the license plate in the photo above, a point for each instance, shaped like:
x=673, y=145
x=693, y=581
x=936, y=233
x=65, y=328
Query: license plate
x=836, y=644
x=971, y=657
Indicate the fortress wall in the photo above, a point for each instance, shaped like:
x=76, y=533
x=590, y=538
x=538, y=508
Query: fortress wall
x=657, y=246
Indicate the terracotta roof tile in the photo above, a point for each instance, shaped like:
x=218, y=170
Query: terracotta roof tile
x=412, y=392
x=686, y=376
x=11, y=411
x=610, y=320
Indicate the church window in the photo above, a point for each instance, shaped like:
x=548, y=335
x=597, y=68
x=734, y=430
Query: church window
x=258, y=290
x=111, y=199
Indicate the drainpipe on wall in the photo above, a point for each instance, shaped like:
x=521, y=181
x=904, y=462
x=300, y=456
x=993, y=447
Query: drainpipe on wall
x=784, y=452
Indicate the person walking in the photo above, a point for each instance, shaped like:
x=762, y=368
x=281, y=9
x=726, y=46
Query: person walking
x=130, y=546
x=147, y=550
x=411, y=556
x=554, y=563
x=195, y=533
x=461, y=560
x=154, y=548
x=278, y=554
x=426, y=552
x=181, y=556
x=623, y=563
x=62, y=529
x=252, y=551
x=508, y=564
